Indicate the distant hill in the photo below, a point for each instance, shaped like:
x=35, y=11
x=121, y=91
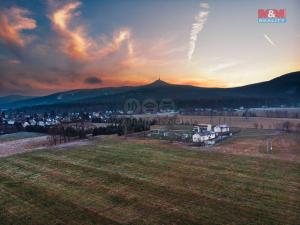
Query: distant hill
x=13, y=98
x=283, y=90
x=62, y=97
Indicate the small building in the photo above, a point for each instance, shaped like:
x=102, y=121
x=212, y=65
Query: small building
x=41, y=123
x=202, y=128
x=158, y=131
x=11, y=122
x=25, y=124
x=221, y=129
x=204, y=136
x=185, y=136
x=32, y=122
x=167, y=133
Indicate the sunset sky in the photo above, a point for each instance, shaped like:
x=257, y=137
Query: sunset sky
x=50, y=46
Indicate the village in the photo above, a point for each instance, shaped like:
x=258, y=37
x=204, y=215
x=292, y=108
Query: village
x=15, y=121
x=190, y=129
x=199, y=134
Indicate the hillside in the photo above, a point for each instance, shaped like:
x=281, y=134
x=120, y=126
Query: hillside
x=284, y=90
x=13, y=98
x=64, y=97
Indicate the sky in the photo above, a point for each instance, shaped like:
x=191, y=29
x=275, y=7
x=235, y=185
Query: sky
x=48, y=46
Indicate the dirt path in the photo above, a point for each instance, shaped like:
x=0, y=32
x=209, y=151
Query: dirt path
x=31, y=144
x=23, y=145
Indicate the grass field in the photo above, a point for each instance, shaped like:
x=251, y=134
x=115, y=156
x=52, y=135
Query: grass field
x=233, y=121
x=253, y=142
x=139, y=182
x=18, y=136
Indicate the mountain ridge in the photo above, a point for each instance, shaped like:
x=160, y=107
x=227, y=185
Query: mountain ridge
x=284, y=89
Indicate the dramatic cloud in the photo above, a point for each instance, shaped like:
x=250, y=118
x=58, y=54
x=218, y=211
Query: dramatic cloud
x=269, y=40
x=45, y=69
x=79, y=45
x=93, y=80
x=197, y=26
x=73, y=42
x=12, y=22
x=114, y=46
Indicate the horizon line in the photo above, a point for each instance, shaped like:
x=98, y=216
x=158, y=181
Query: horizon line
x=144, y=84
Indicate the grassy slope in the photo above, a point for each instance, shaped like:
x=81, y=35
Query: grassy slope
x=114, y=182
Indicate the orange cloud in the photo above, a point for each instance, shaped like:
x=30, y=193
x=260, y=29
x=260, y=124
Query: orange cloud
x=75, y=42
x=114, y=46
x=12, y=22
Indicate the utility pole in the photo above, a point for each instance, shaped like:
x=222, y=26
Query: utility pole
x=269, y=145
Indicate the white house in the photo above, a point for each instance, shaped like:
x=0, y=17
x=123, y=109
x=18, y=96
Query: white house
x=202, y=128
x=41, y=123
x=10, y=122
x=25, y=124
x=197, y=138
x=32, y=122
x=204, y=136
x=221, y=128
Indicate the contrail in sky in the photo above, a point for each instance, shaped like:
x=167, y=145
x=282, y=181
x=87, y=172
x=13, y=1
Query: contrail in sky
x=269, y=40
x=197, y=26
